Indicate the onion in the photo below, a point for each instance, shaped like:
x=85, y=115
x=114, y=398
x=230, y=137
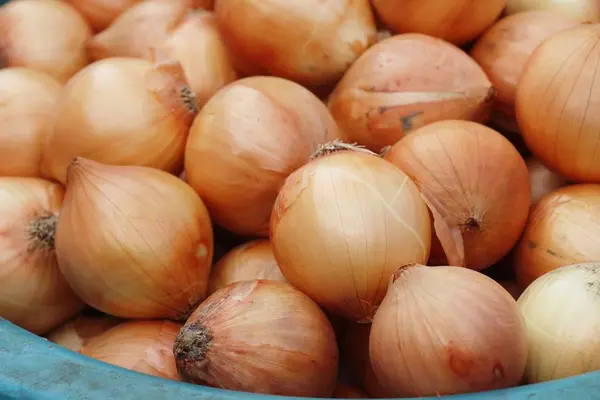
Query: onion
x=197, y=45
x=542, y=180
x=342, y=224
x=121, y=111
x=250, y=261
x=76, y=333
x=142, y=346
x=133, y=242
x=505, y=48
x=457, y=21
x=245, y=141
x=27, y=99
x=555, y=96
x=205, y=4
x=562, y=318
x=446, y=330
x=476, y=185
x=44, y=35
x=139, y=30
x=309, y=41
x=584, y=10
x=260, y=337
x=562, y=230
x=344, y=391
x=33, y=293
x=403, y=83
x=101, y=13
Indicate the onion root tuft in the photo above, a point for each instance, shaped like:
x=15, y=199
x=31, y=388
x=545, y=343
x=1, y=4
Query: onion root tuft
x=42, y=231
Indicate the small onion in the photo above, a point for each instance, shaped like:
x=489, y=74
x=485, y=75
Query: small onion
x=542, y=180
x=121, y=111
x=344, y=391
x=27, y=100
x=308, y=41
x=555, y=98
x=403, y=83
x=44, y=35
x=584, y=10
x=33, y=292
x=101, y=13
x=133, y=242
x=245, y=141
x=476, y=185
x=446, y=330
x=505, y=48
x=563, y=228
x=142, y=346
x=342, y=224
x=260, y=337
x=250, y=261
x=76, y=333
x=457, y=21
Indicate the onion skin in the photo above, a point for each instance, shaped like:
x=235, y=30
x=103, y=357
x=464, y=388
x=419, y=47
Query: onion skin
x=76, y=333
x=33, y=293
x=142, y=346
x=476, y=185
x=282, y=343
x=542, y=180
x=333, y=226
x=147, y=234
x=27, y=99
x=457, y=21
x=101, y=13
x=562, y=230
x=479, y=345
x=403, y=83
x=327, y=37
x=43, y=35
x=583, y=10
x=504, y=49
x=121, y=111
x=555, y=92
x=250, y=261
x=245, y=141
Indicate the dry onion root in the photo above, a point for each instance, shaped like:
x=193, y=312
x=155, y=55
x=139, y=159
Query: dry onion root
x=101, y=13
x=77, y=332
x=583, y=10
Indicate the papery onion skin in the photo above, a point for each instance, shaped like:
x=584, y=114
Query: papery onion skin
x=340, y=226
x=121, y=111
x=33, y=293
x=245, y=141
x=101, y=13
x=475, y=183
x=76, y=333
x=542, y=180
x=148, y=243
x=307, y=41
x=504, y=49
x=555, y=94
x=457, y=21
x=478, y=345
x=142, y=346
x=403, y=83
x=283, y=343
x=250, y=261
x=27, y=101
x=46, y=36
x=583, y=10
x=562, y=230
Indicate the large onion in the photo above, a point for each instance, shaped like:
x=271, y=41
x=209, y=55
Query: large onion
x=403, y=83
x=77, y=332
x=101, y=13
x=584, y=10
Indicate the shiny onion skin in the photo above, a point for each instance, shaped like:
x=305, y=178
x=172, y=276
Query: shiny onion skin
x=555, y=96
x=249, y=261
x=122, y=111
x=403, y=83
x=27, y=101
x=101, y=13
x=504, y=49
x=583, y=10
x=33, y=293
x=77, y=332
x=563, y=228
x=245, y=141
x=342, y=224
x=44, y=35
x=542, y=180
x=446, y=330
x=308, y=41
x=141, y=346
x=476, y=185
x=457, y=21
x=259, y=337
x=134, y=242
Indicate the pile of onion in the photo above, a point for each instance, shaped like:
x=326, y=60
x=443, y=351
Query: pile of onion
x=403, y=83
x=542, y=180
x=259, y=337
x=77, y=332
x=583, y=10
x=133, y=242
x=46, y=36
x=101, y=13
x=245, y=141
x=476, y=185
